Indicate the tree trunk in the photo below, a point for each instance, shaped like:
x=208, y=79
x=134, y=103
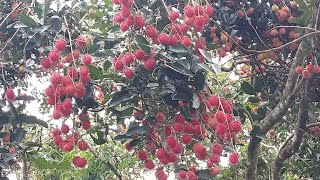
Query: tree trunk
x=253, y=153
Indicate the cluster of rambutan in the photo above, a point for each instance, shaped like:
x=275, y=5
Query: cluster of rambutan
x=226, y=43
x=125, y=18
x=306, y=72
x=179, y=133
x=143, y=156
x=222, y=120
x=125, y=63
x=64, y=87
x=66, y=139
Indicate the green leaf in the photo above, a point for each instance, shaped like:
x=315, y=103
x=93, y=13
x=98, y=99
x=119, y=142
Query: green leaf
x=93, y=48
x=206, y=55
x=47, y=4
x=2, y=134
x=178, y=67
x=31, y=120
x=106, y=65
x=95, y=73
x=4, y=150
x=303, y=19
x=99, y=140
x=180, y=96
x=32, y=144
x=247, y=88
x=180, y=49
x=204, y=174
x=25, y=98
x=302, y=5
x=100, y=13
x=18, y=135
x=27, y=20
x=142, y=43
x=253, y=99
x=199, y=80
x=122, y=138
x=4, y=119
x=121, y=97
x=42, y=163
x=215, y=68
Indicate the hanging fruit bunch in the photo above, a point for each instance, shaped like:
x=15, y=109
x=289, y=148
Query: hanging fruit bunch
x=68, y=65
x=178, y=121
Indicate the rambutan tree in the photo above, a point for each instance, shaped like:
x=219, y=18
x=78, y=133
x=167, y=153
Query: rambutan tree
x=183, y=86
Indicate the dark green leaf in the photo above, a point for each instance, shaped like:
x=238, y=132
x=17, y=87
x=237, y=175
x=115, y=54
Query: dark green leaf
x=25, y=98
x=106, y=65
x=4, y=150
x=302, y=4
x=178, y=67
x=180, y=96
x=121, y=97
x=98, y=140
x=93, y=48
x=18, y=135
x=206, y=55
x=204, y=174
x=32, y=144
x=253, y=99
x=215, y=68
x=47, y=4
x=95, y=73
x=133, y=130
x=31, y=120
x=2, y=134
x=27, y=20
x=2, y=102
x=142, y=43
x=122, y=138
x=180, y=49
x=4, y=119
x=247, y=88
x=199, y=80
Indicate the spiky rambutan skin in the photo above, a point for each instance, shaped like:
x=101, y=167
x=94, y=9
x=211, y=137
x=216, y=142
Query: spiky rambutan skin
x=179, y=118
x=215, y=158
x=171, y=141
x=182, y=175
x=177, y=127
x=149, y=164
x=161, y=153
x=177, y=149
x=217, y=148
x=200, y=151
x=142, y=155
x=220, y=116
x=161, y=117
x=235, y=126
x=234, y=158
x=188, y=128
x=186, y=139
x=221, y=128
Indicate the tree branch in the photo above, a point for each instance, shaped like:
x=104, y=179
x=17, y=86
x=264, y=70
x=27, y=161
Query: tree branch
x=108, y=164
x=292, y=88
x=288, y=151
